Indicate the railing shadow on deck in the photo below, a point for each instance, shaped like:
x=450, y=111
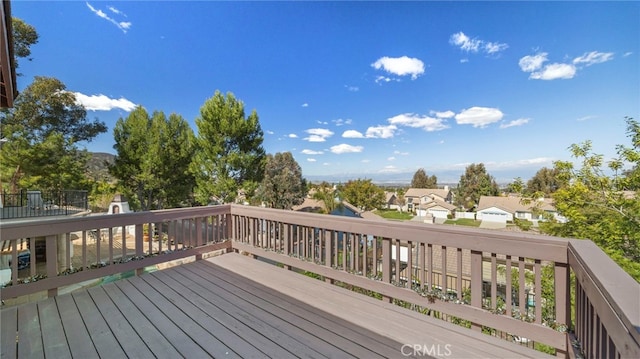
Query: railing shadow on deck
x=512, y=285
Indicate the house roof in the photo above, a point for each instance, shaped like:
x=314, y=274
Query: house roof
x=513, y=204
x=8, y=88
x=421, y=192
x=438, y=203
x=390, y=196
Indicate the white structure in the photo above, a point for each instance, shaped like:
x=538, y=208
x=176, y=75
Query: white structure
x=119, y=205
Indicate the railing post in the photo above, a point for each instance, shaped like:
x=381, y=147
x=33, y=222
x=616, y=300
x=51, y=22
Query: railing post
x=476, y=284
x=386, y=263
x=139, y=245
x=328, y=246
x=198, y=236
x=52, y=261
x=563, y=300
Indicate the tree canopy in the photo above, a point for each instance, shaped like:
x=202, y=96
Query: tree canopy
x=598, y=202
x=546, y=181
x=24, y=35
x=229, y=153
x=43, y=132
x=328, y=195
x=421, y=180
x=283, y=185
x=363, y=194
x=153, y=157
x=474, y=183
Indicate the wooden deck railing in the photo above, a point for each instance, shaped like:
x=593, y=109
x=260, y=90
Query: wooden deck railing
x=514, y=285
x=69, y=251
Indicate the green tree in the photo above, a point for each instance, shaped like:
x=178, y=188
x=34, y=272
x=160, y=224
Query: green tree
x=43, y=133
x=474, y=183
x=545, y=181
x=229, y=153
x=517, y=186
x=328, y=195
x=362, y=193
x=599, y=206
x=283, y=185
x=24, y=35
x=421, y=180
x=153, y=157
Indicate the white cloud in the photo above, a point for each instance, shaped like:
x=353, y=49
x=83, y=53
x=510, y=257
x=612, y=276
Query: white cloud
x=122, y=25
x=532, y=63
x=586, y=118
x=464, y=61
x=554, y=72
x=400, y=66
x=381, y=131
x=518, y=122
x=426, y=123
x=292, y=135
x=627, y=54
x=479, y=116
x=383, y=79
x=311, y=159
x=465, y=43
x=389, y=169
x=494, y=47
x=312, y=152
x=340, y=122
x=592, y=58
x=401, y=153
x=539, y=161
x=305, y=105
x=270, y=132
x=103, y=103
x=116, y=11
x=318, y=134
x=352, y=88
x=344, y=148
x=445, y=114
x=391, y=158
x=352, y=134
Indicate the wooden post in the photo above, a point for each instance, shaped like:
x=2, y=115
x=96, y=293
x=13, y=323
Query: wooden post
x=563, y=298
x=476, y=283
x=52, y=261
x=386, y=264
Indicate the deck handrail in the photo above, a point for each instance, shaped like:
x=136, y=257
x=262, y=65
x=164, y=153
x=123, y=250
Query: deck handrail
x=459, y=272
x=607, y=304
x=190, y=236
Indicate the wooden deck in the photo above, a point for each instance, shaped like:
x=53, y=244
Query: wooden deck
x=232, y=306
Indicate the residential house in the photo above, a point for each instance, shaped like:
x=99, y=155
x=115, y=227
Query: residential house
x=504, y=209
x=391, y=200
x=436, y=201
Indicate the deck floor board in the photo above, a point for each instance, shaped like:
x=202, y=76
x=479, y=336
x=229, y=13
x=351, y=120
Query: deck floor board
x=229, y=306
x=9, y=326
x=55, y=344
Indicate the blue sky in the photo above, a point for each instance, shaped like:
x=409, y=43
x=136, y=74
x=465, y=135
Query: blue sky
x=361, y=89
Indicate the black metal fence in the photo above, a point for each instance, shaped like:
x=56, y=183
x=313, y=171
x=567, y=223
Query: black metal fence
x=38, y=203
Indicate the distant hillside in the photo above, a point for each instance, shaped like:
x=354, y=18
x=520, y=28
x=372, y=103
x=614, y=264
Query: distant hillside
x=97, y=165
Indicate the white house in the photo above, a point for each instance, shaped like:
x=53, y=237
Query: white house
x=415, y=197
x=503, y=209
x=435, y=208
